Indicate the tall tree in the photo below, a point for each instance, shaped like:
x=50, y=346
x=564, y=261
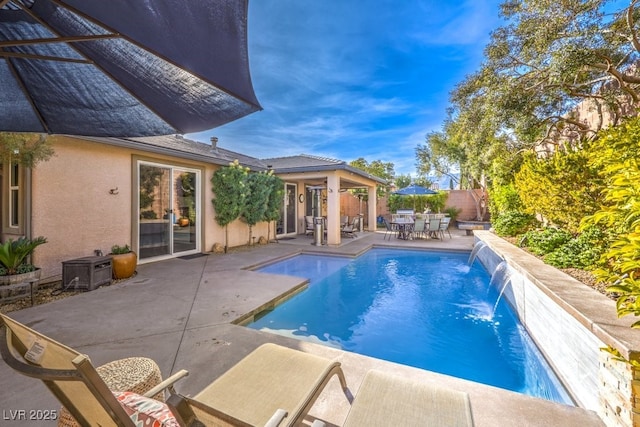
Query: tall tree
x=274, y=201
x=377, y=168
x=228, y=184
x=257, y=195
x=548, y=59
x=26, y=149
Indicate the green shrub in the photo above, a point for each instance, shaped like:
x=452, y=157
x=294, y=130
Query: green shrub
x=585, y=251
x=513, y=223
x=542, y=242
x=14, y=253
x=453, y=212
x=117, y=249
x=504, y=198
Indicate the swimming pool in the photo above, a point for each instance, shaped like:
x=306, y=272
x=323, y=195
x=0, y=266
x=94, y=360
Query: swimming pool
x=430, y=310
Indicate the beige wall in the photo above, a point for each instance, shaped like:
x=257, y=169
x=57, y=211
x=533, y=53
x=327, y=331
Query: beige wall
x=460, y=199
x=74, y=210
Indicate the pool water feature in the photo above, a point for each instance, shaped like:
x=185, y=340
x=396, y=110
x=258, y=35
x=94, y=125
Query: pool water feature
x=430, y=310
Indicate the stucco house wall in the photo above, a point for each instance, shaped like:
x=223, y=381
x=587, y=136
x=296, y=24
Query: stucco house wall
x=74, y=207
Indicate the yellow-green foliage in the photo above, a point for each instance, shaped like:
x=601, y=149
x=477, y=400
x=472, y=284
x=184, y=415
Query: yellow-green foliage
x=563, y=187
x=616, y=155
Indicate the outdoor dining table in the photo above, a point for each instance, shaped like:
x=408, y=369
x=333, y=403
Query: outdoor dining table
x=404, y=227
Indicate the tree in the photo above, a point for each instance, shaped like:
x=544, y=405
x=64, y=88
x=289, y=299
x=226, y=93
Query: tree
x=549, y=58
x=274, y=201
x=402, y=181
x=616, y=155
x=257, y=196
x=562, y=187
x=228, y=184
x=468, y=150
x=26, y=149
x=377, y=168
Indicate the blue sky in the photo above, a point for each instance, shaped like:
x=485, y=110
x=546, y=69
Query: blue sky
x=355, y=78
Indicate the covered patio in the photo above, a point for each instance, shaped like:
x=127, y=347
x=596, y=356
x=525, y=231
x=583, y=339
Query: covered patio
x=309, y=178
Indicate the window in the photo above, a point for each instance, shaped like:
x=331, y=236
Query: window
x=14, y=196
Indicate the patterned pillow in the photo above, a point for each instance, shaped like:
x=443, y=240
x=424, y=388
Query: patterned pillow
x=144, y=411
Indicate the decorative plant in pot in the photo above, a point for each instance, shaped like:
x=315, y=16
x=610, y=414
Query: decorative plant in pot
x=123, y=261
x=14, y=259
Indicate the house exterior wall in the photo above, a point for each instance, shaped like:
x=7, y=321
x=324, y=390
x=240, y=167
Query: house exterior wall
x=72, y=204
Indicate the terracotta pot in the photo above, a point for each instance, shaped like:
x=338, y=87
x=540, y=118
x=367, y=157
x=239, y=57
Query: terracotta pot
x=124, y=265
x=183, y=222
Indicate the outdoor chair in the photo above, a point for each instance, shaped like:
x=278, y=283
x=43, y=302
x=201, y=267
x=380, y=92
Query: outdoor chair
x=391, y=230
x=385, y=400
x=444, y=226
x=308, y=221
x=419, y=228
x=272, y=386
x=350, y=229
x=433, y=228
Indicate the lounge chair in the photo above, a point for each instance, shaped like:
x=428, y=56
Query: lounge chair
x=272, y=386
x=385, y=400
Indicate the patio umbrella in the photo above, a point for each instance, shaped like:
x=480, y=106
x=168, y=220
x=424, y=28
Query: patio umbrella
x=123, y=67
x=414, y=190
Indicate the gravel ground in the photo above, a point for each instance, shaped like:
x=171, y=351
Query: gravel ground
x=45, y=293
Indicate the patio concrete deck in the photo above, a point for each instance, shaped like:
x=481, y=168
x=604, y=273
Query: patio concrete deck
x=179, y=313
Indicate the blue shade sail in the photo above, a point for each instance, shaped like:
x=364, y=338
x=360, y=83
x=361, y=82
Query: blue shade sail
x=123, y=68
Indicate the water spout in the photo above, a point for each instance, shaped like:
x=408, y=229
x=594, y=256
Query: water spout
x=480, y=245
x=500, y=278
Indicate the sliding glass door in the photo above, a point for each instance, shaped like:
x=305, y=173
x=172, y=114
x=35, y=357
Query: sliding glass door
x=168, y=206
x=288, y=213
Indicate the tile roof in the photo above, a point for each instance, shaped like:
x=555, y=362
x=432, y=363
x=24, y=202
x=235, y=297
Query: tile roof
x=308, y=163
x=301, y=161
x=178, y=146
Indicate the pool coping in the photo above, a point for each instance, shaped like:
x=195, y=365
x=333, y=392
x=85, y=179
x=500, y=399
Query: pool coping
x=179, y=312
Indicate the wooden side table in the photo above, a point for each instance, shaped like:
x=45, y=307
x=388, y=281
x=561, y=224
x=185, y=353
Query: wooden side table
x=134, y=374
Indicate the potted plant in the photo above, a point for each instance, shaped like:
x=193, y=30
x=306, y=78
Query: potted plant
x=14, y=259
x=123, y=261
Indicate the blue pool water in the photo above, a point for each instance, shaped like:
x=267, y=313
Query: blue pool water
x=429, y=310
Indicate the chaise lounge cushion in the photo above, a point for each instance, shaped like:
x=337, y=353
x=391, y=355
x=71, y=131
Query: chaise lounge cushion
x=385, y=400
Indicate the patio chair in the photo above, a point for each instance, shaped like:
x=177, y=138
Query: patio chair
x=419, y=228
x=272, y=386
x=391, y=229
x=308, y=222
x=72, y=378
x=444, y=226
x=433, y=228
x=272, y=383
x=385, y=400
x=350, y=229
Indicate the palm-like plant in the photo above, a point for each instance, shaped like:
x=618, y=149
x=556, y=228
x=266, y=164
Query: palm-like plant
x=14, y=252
